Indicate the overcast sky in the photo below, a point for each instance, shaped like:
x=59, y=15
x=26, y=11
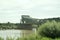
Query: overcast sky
x=11, y=10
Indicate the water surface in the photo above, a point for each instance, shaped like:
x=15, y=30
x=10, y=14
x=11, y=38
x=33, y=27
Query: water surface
x=14, y=33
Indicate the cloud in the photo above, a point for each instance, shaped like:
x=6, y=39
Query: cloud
x=12, y=9
x=24, y=4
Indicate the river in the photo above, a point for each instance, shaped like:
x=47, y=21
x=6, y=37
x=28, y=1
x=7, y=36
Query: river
x=14, y=33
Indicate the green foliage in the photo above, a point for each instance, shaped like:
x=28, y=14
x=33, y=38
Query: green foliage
x=1, y=38
x=45, y=38
x=57, y=39
x=9, y=38
x=34, y=37
x=50, y=29
x=8, y=26
x=23, y=38
x=30, y=37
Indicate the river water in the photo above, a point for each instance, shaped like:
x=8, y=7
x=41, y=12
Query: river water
x=14, y=33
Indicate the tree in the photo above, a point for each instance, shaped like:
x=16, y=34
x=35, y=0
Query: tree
x=50, y=29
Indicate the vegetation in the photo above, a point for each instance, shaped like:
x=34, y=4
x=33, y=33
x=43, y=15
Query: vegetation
x=8, y=26
x=26, y=19
x=9, y=38
x=49, y=29
x=1, y=38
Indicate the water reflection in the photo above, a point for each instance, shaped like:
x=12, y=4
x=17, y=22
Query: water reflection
x=14, y=33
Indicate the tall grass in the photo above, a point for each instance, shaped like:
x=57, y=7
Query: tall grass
x=1, y=38
x=9, y=38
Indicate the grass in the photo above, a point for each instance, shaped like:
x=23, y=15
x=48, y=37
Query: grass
x=1, y=38
x=30, y=38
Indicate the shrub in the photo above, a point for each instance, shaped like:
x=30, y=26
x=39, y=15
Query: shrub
x=50, y=29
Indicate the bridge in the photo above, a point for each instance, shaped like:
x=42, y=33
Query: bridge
x=28, y=22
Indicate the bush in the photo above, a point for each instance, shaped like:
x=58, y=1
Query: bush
x=50, y=29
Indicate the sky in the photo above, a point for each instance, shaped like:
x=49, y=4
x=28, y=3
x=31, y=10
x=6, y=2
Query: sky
x=11, y=10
